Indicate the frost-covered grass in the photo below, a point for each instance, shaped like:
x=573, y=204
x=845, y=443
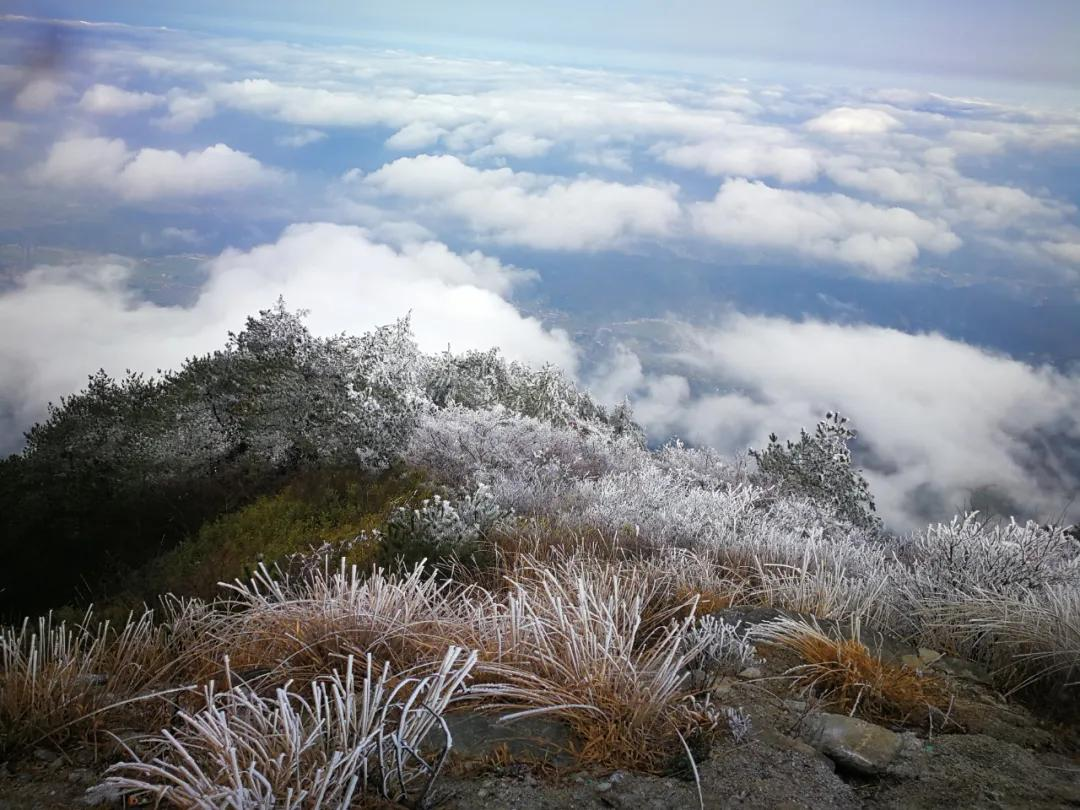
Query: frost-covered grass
x=55, y=677
x=1000, y=591
x=342, y=739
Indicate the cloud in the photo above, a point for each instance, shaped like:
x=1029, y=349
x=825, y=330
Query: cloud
x=529, y=209
x=185, y=111
x=347, y=281
x=994, y=207
x=935, y=416
x=105, y=99
x=417, y=135
x=788, y=164
x=1065, y=251
x=303, y=137
x=904, y=185
x=515, y=144
x=147, y=174
x=853, y=121
x=41, y=94
x=9, y=133
x=884, y=242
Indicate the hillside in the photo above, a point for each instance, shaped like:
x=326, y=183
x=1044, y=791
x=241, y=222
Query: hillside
x=339, y=572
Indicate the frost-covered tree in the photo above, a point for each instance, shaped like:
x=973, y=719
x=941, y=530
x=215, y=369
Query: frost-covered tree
x=818, y=467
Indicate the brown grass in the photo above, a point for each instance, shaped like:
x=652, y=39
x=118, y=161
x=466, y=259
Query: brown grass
x=851, y=679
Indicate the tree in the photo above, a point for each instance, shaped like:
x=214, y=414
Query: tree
x=818, y=467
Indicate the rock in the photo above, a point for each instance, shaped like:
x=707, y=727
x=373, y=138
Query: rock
x=783, y=742
x=751, y=673
x=1013, y=724
x=724, y=685
x=973, y=770
x=45, y=755
x=963, y=669
x=476, y=736
x=862, y=747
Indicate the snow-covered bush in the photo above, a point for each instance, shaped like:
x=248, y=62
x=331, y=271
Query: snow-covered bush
x=722, y=649
x=973, y=553
x=819, y=467
x=442, y=527
x=485, y=381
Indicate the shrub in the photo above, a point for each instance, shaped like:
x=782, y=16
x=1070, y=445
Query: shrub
x=330, y=507
x=441, y=528
x=819, y=467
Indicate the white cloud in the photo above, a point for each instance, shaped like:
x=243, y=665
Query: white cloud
x=999, y=207
x=348, y=282
x=146, y=174
x=788, y=164
x=906, y=185
x=303, y=137
x=829, y=227
x=417, y=135
x=515, y=144
x=853, y=121
x=1064, y=251
x=41, y=94
x=185, y=111
x=106, y=99
x=938, y=416
x=528, y=209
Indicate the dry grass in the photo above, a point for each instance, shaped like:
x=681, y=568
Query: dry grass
x=57, y=680
x=1028, y=637
x=851, y=679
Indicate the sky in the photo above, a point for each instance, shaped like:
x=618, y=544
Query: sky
x=738, y=215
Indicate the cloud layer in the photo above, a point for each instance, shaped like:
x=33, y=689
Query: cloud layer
x=942, y=423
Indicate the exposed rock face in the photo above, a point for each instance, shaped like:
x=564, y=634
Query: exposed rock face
x=864, y=748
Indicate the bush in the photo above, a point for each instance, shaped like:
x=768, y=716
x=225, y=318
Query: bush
x=441, y=528
x=819, y=467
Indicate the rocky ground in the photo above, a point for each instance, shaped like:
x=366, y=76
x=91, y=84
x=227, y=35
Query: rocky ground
x=993, y=753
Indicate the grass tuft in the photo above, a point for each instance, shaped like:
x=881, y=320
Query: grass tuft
x=851, y=679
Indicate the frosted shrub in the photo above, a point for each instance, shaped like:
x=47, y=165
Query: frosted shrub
x=443, y=527
x=819, y=467
x=971, y=553
x=700, y=467
x=722, y=650
x=485, y=381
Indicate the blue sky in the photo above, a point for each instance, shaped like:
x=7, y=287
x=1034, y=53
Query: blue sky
x=738, y=215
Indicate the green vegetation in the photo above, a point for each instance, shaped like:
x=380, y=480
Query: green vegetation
x=317, y=508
